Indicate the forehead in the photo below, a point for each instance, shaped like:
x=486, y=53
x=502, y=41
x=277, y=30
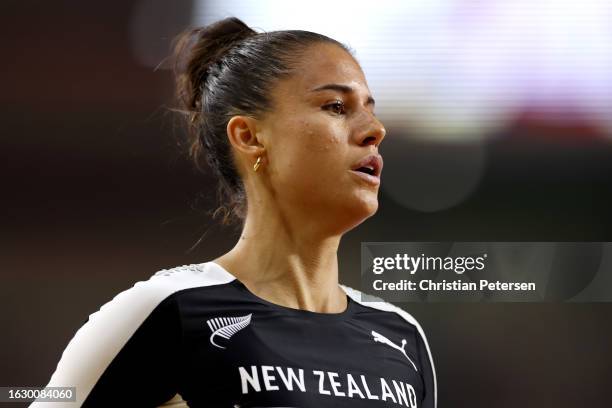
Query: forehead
x=324, y=63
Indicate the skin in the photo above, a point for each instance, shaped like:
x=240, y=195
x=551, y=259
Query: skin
x=303, y=198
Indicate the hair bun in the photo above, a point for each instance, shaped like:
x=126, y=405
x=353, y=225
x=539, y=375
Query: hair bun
x=197, y=49
x=219, y=37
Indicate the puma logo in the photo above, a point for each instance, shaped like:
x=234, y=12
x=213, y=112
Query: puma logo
x=382, y=339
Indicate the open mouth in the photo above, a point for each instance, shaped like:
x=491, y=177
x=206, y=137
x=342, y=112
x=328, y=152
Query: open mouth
x=367, y=169
x=370, y=165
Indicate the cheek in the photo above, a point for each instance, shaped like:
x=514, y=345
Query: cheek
x=319, y=136
x=314, y=155
x=322, y=148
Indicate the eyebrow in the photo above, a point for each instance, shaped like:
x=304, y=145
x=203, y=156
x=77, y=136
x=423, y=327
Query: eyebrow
x=343, y=89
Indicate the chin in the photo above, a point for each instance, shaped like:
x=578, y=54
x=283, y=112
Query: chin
x=371, y=209
x=366, y=204
x=358, y=212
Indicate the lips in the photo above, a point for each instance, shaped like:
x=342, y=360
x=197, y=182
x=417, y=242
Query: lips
x=371, y=165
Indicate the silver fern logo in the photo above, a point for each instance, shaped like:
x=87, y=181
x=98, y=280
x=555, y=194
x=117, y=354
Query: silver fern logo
x=226, y=327
x=382, y=339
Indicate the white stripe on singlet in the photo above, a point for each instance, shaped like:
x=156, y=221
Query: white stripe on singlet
x=98, y=341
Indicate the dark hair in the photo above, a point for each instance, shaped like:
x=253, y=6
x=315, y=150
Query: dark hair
x=227, y=69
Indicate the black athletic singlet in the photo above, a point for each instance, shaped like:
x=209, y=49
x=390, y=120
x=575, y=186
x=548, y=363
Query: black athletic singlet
x=195, y=335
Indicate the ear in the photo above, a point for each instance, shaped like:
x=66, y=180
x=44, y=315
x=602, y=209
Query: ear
x=242, y=134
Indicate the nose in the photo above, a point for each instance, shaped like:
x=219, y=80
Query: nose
x=373, y=133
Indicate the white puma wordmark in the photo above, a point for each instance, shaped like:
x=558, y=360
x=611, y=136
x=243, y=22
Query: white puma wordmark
x=226, y=327
x=382, y=339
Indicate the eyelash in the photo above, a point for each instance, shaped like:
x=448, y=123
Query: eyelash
x=336, y=103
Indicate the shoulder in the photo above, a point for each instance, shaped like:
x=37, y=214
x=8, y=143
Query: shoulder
x=147, y=294
x=107, y=331
x=133, y=305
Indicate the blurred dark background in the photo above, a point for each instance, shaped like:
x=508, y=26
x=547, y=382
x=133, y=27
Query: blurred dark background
x=96, y=196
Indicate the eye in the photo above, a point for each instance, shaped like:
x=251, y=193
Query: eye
x=337, y=107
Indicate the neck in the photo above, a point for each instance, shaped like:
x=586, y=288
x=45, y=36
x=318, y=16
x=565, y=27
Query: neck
x=291, y=265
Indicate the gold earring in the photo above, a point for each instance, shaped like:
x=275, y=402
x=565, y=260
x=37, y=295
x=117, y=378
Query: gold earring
x=257, y=164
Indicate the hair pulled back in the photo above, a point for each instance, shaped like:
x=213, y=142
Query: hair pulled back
x=227, y=69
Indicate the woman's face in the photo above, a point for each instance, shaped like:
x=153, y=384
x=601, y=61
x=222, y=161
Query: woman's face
x=321, y=127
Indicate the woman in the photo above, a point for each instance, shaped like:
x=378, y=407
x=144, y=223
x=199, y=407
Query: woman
x=286, y=121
